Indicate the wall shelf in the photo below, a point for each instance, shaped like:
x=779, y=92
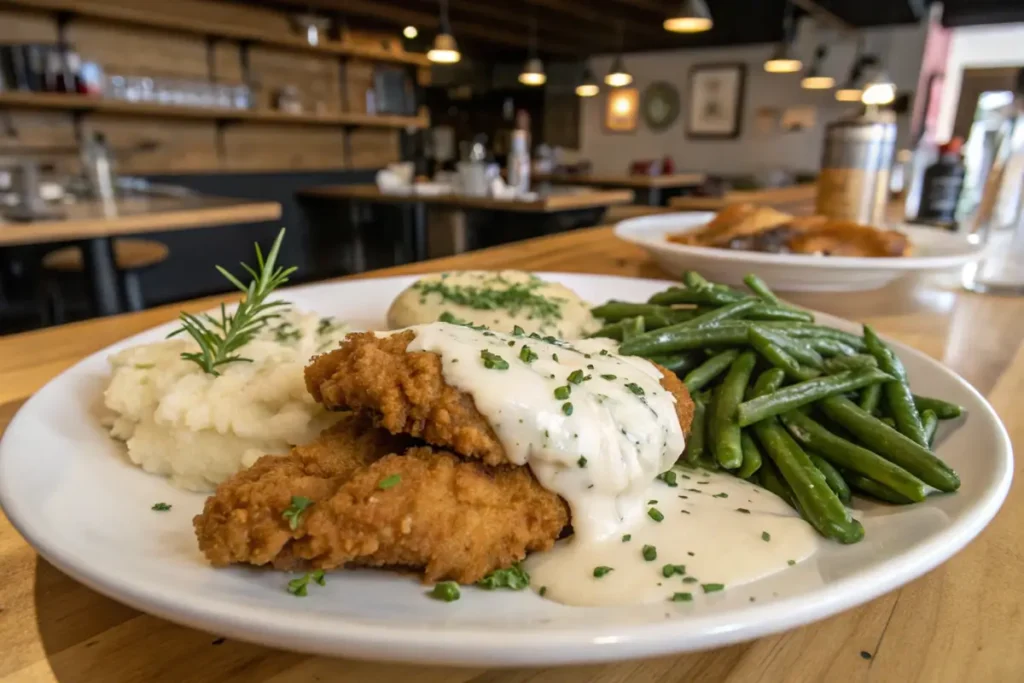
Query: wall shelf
x=86, y=103
x=153, y=19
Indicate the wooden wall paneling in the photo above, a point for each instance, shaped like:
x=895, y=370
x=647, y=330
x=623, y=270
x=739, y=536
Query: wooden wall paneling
x=380, y=40
x=178, y=145
x=20, y=26
x=48, y=136
x=240, y=15
x=227, y=62
x=267, y=147
x=562, y=120
x=140, y=51
x=316, y=77
x=358, y=82
x=373, y=148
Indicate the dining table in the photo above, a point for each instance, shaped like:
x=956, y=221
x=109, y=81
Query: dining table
x=94, y=224
x=651, y=190
x=961, y=621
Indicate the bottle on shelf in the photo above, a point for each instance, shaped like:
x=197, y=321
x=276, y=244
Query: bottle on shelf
x=941, y=187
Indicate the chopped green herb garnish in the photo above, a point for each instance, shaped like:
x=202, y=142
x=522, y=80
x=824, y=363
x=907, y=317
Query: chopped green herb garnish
x=514, y=578
x=514, y=297
x=562, y=393
x=567, y=408
x=542, y=591
x=635, y=388
x=493, y=361
x=388, y=482
x=527, y=355
x=582, y=462
x=790, y=562
x=603, y=352
x=145, y=366
x=655, y=514
x=712, y=587
x=765, y=536
x=609, y=377
x=721, y=495
x=673, y=569
x=669, y=478
x=293, y=513
x=601, y=571
x=703, y=482
x=589, y=366
x=743, y=510
x=446, y=591
x=650, y=553
x=286, y=332
x=652, y=502
x=576, y=376
x=690, y=579
x=517, y=331
x=682, y=597
x=161, y=507
x=298, y=587
x=554, y=357
x=627, y=538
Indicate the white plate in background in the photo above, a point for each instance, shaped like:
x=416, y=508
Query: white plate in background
x=68, y=488
x=934, y=250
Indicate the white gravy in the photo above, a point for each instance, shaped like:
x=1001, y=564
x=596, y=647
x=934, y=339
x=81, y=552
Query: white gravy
x=601, y=447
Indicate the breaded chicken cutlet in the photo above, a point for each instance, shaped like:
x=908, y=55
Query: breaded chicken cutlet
x=406, y=393
x=376, y=502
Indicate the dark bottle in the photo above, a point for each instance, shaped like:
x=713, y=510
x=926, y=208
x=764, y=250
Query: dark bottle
x=940, y=189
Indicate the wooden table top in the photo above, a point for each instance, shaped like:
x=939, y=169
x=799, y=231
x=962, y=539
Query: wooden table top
x=783, y=198
x=134, y=215
x=554, y=202
x=642, y=182
x=960, y=622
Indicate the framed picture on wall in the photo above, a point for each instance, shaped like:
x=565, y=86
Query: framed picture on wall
x=715, y=102
x=621, y=110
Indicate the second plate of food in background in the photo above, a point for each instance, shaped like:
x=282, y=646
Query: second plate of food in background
x=933, y=250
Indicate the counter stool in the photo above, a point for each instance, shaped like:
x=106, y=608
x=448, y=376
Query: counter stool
x=132, y=256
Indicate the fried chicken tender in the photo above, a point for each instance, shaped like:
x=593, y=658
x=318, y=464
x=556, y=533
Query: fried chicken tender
x=424, y=510
x=407, y=394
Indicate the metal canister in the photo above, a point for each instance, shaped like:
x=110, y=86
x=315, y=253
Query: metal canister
x=854, y=179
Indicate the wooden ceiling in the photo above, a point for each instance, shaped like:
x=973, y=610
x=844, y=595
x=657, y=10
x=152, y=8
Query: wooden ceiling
x=572, y=29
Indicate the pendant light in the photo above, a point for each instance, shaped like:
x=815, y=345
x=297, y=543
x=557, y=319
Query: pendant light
x=445, y=49
x=852, y=90
x=533, y=70
x=781, y=61
x=587, y=86
x=814, y=79
x=693, y=17
x=879, y=89
x=617, y=76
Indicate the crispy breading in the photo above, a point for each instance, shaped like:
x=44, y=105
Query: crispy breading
x=406, y=393
x=448, y=518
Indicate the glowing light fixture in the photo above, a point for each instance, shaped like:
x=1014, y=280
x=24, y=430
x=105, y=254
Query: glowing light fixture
x=445, y=49
x=814, y=80
x=533, y=71
x=617, y=76
x=587, y=86
x=879, y=90
x=849, y=94
x=410, y=32
x=693, y=17
x=781, y=61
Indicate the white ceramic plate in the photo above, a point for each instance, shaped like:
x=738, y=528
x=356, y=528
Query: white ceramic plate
x=934, y=249
x=69, y=490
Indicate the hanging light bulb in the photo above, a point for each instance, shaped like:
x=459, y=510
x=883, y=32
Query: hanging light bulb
x=617, y=76
x=445, y=49
x=781, y=61
x=852, y=90
x=533, y=70
x=693, y=17
x=410, y=32
x=814, y=79
x=588, y=84
x=849, y=94
x=879, y=89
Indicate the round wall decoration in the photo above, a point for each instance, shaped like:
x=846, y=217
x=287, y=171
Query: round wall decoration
x=660, y=106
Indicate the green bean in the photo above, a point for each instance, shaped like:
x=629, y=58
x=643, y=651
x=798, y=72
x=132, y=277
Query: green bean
x=733, y=310
x=888, y=421
x=801, y=394
x=800, y=330
x=830, y=347
x=632, y=327
x=869, y=397
x=683, y=295
x=725, y=433
x=767, y=382
x=676, y=338
x=891, y=444
x=897, y=392
x=857, y=361
x=779, y=358
x=763, y=311
x=796, y=348
x=677, y=362
x=762, y=290
x=699, y=377
x=751, y=456
x=930, y=423
x=876, y=490
x=770, y=479
x=834, y=480
x=942, y=409
x=817, y=502
x=695, y=444
x=612, y=331
x=695, y=280
x=614, y=311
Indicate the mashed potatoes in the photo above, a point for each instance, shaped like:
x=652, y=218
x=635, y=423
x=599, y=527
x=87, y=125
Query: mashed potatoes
x=198, y=429
x=498, y=299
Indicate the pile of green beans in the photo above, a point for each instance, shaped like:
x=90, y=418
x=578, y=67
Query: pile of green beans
x=811, y=413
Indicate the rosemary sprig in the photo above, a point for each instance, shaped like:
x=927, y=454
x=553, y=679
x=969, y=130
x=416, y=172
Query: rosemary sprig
x=219, y=340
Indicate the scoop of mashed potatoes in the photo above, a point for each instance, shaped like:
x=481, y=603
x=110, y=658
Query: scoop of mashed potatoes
x=197, y=428
x=499, y=300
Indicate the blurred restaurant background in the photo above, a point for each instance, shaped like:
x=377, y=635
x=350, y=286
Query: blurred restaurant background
x=142, y=143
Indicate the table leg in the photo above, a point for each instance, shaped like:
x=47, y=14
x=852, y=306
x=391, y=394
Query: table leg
x=654, y=196
x=358, y=246
x=420, y=247
x=101, y=271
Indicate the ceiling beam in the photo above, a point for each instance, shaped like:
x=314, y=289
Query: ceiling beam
x=650, y=5
x=823, y=16
x=609, y=22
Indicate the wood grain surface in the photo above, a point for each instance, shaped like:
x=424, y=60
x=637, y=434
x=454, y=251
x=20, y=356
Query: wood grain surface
x=961, y=622
x=585, y=198
x=89, y=219
x=635, y=181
